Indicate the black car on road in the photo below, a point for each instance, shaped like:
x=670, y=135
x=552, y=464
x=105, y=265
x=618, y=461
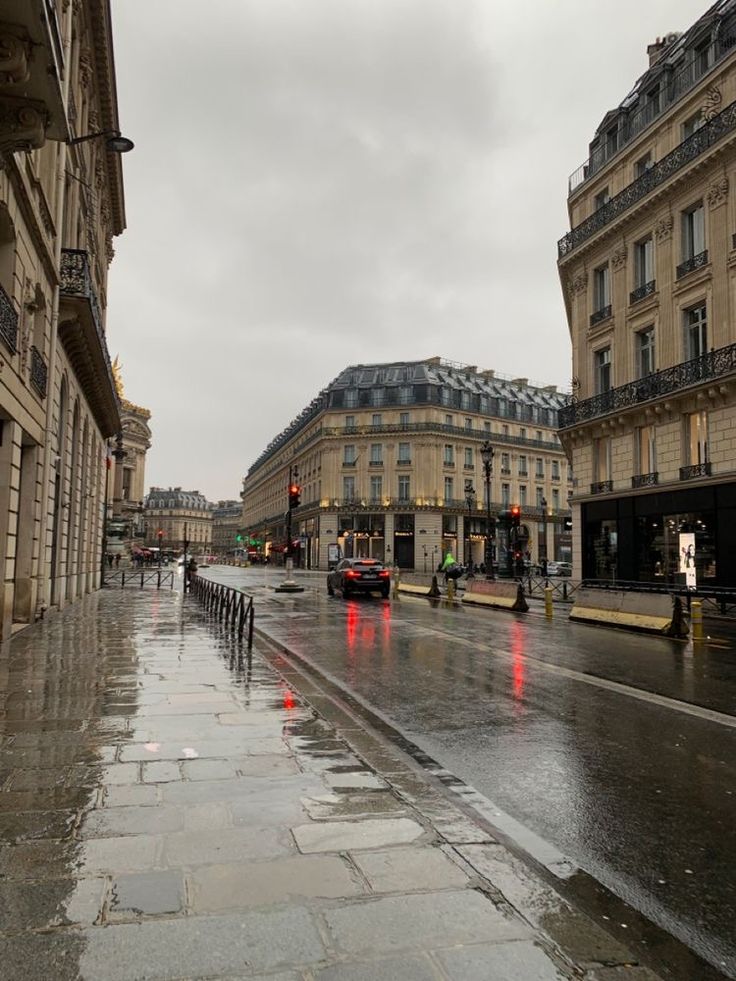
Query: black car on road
x=359, y=576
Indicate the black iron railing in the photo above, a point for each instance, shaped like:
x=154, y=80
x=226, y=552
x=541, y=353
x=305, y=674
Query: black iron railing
x=603, y=314
x=715, y=364
x=601, y=487
x=139, y=577
x=702, y=140
x=697, y=470
x=39, y=372
x=8, y=322
x=694, y=262
x=645, y=479
x=232, y=606
x=642, y=291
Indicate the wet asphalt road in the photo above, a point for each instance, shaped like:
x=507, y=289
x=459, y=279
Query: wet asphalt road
x=618, y=749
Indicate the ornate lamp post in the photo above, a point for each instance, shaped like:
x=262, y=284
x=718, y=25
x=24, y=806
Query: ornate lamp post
x=470, y=502
x=543, y=542
x=486, y=455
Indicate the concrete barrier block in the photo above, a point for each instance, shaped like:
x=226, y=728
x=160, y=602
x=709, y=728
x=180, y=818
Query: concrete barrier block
x=649, y=612
x=499, y=593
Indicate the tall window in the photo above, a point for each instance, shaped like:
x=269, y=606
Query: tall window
x=696, y=332
x=449, y=489
x=693, y=232
x=376, y=453
x=643, y=263
x=646, y=450
x=449, y=455
x=696, y=434
x=348, y=488
x=403, y=418
x=645, y=352
x=406, y=393
x=350, y=422
x=601, y=288
x=522, y=494
x=555, y=500
x=486, y=427
x=376, y=419
x=468, y=423
x=378, y=396
x=693, y=124
x=404, y=452
x=349, y=456
x=539, y=496
x=505, y=495
x=522, y=466
x=602, y=198
x=602, y=458
x=642, y=165
x=376, y=488
x=351, y=398
x=555, y=470
x=465, y=400
x=469, y=456
x=602, y=361
x=404, y=488
x=505, y=463
x=540, y=467
x=448, y=421
x=445, y=396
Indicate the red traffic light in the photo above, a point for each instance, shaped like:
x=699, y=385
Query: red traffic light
x=516, y=511
x=160, y=534
x=294, y=495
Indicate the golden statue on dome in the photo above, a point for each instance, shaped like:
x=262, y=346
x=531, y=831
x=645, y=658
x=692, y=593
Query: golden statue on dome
x=117, y=376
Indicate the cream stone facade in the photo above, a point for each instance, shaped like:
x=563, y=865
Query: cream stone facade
x=125, y=524
x=386, y=457
x=181, y=515
x=227, y=520
x=648, y=272
x=61, y=204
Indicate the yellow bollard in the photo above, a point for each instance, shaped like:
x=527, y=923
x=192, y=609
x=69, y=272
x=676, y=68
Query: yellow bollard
x=450, y=590
x=548, y=602
x=696, y=619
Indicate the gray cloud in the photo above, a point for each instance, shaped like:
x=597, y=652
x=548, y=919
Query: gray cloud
x=321, y=182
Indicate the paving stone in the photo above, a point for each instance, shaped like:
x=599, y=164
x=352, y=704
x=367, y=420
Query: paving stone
x=39, y=859
x=267, y=766
x=418, y=968
x=402, y=869
x=160, y=772
x=266, y=809
x=131, y=854
x=209, y=769
x=518, y=961
x=421, y=921
x=148, y=894
x=355, y=778
x=200, y=946
x=134, y=795
x=55, y=902
x=222, y=887
x=113, y=822
x=120, y=773
x=353, y=804
x=27, y=825
x=55, y=799
x=41, y=956
x=626, y=973
x=203, y=791
x=336, y=836
x=192, y=848
x=207, y=817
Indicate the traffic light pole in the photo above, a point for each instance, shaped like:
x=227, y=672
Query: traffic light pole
x=289, y=585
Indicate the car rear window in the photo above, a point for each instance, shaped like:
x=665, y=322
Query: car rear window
x=366, y=563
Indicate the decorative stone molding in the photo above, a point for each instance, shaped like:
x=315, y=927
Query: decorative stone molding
x=15, y=55
x=85, y=69
x=717, y=193
x=22, y=126
x=618, y=259
x=713, y=102
x=663, y=228
x=578, y=283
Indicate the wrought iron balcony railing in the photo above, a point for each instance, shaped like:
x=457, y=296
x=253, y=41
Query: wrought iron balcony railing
x=715, y=364
x=645, y=479
x=690, y=149
x=694, y=262
x=602, y=487
x=697, y=470
x=76, y=280
x=603, y=314
x=39, y=372
x=642, y=291
x=8, y=322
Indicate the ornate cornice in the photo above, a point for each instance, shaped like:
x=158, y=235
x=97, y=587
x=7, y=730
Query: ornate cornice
x=618, y=259
x=717, y=193
x=663, y=228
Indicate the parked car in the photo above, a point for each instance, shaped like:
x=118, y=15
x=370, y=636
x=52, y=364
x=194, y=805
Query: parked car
x=359, y=576
x=559, y=569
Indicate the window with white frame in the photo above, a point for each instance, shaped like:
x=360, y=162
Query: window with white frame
x=693, y=124
x=645, y=352
x=602, y=459
x=376, y=419
x=468, y=423
x=505, y=463
x=404, y=488
x=469, y=456
x=449, y=489
x=505, y=495
x=350, y=422
x=601, y=288
x=376, y=488
x=348, y=488
x=696, y=438
x=539, y=496
x=646, y=450
x=696, y=332
x=555, y=470
x=522, y=494
x=555, y=500
x=351, y=398
x=693, y=231
x=406, y=394
x=349, y=455
x=602, y=368
x=404, y=418
x=540, y=467
x=522, y=466
x=376, y=453
x=404, y=453
x=449, y=458
x=643, y=262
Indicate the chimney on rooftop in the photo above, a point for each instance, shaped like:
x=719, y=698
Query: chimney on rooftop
x=656, y=50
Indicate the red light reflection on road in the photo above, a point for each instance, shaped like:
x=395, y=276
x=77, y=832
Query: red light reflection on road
x=518, y=637
x=352, y=624
x=386, y=615
x=289, y=700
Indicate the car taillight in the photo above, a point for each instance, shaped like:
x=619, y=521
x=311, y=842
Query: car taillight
x=351, y=574
x=385, y=573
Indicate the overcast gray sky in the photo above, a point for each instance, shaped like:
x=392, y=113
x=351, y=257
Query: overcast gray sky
x=319, y=183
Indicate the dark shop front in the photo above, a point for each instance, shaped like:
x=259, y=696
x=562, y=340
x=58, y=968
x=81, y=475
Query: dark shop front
x=644, y=538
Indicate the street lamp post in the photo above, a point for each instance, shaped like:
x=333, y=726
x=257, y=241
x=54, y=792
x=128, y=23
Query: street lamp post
x=486, y=455
x=470, y=501
x=543, y=542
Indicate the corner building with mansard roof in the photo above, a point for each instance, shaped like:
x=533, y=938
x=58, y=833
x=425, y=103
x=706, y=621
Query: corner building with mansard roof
x=648, y=271
x=388, y=460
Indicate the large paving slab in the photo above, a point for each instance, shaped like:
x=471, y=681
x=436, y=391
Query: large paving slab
x=338, y=836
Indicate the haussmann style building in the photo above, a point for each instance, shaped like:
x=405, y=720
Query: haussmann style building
x=61, y=205
x=227, y=520
x=648, y=271
x=388, y=460
x=181, y=515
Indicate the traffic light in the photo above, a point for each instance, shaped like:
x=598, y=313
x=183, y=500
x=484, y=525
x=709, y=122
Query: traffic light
x=160, y=535
x=238, y=538
x=294, y=495
x=515, y=516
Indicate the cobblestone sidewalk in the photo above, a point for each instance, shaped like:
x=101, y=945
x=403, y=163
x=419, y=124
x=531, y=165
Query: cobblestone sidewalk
x=170, y=810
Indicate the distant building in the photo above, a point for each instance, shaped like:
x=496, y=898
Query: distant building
x=227, y=520
x=388, y=460
x=648, y=271
x=125, y=526
x=179, y=514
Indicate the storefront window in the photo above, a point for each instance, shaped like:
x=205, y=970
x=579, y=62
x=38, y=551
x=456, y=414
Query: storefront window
x=660, y=541
x=601, y=541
